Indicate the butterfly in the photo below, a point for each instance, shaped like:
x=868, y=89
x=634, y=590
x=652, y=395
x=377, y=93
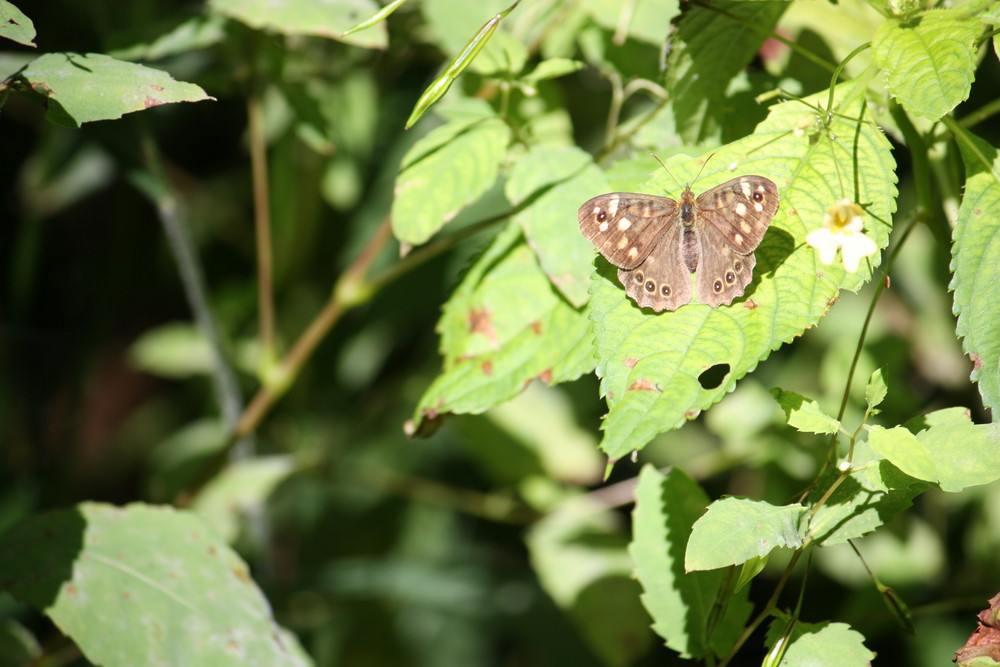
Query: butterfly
x=658, y=242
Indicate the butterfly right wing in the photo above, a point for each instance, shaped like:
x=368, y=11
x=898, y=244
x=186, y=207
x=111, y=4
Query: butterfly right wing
x=662, y=281
x=626, y=225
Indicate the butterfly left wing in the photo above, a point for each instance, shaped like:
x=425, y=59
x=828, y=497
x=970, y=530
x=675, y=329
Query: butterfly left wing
x=626, y=225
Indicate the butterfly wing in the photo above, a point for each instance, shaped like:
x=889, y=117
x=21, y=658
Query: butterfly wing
x=739, y=210
x=723, y=273
x=625, y=225
x=731, y=221
x=662, y=281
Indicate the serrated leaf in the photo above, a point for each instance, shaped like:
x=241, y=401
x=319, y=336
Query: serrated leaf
x=820, y=644
x=734, y=530
x=140, y=585
x=955, y=456
x=84, y=88
x=443, y=172
x=550, y=183
x=503, y=327
x=307, y=17
x=649, y=364
x=804, y=414
x=870, y=496
x=698, y=70
x=876, y=389
x=975, y=264
x=15, y=26
x=929, y=60
x=680, y=603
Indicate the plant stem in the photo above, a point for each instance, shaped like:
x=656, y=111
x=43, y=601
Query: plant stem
x=262, y=223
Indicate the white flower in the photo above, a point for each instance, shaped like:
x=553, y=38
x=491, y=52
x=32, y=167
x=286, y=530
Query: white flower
x=842, y=229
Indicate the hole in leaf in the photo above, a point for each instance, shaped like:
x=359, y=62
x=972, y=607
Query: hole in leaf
x=714, y=376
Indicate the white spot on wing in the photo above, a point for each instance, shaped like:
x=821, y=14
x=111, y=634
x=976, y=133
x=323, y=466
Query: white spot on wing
x=604, y=226
x=624, y=224
x=612, y=207
x=745, y=187
x=741, y=208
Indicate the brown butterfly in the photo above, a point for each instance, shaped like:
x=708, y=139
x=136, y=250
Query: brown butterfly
x=657, y=242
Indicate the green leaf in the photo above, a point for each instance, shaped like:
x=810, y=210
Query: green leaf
x=15, y=26
x=955, y=456
x=647, y=21
x=506, y=55
x=173, y=350
x=929, y=60
x=140, y=585
x=503, y=327
x=377, y=17
x=804, y=414
x=820, y=644
x=443, y=172
x=450, y=23
x=551, y=68
x=876, y=389
x=547, y=184
x=975, y=264
x=240, y=491
x=578, y=553
x=871, y=495
x=194, y=33
x=698, y=70
x=85, y=88
x=734, y=530
x=650, y=364
x=680, y=603
x=904, y=450
x=306, y=17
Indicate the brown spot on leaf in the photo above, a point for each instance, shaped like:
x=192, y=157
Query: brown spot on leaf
x=480, y=323
x=977, y=361
x=242, y=574
x=691, y=414
x=487, y=367
x=71, y=590
x=546, y=376
x=536, y=326
x=630, y=362
x=750, y=304
x=642, y=384
x=978, y=211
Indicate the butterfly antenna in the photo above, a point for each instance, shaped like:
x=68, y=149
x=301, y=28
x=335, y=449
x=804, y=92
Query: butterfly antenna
x=655, y=157
x=672, y=176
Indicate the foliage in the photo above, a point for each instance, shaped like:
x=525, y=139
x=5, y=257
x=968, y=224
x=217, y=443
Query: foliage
x=219, y=320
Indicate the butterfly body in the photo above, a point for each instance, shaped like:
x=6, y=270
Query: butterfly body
x=657, y=243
